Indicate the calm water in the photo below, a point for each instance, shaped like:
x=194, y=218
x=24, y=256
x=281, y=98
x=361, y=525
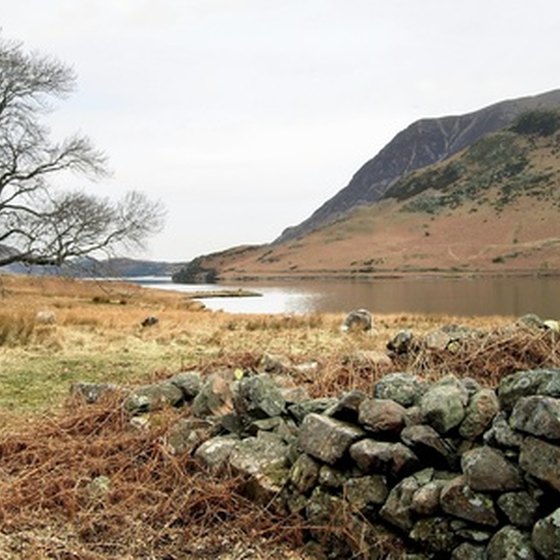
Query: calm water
x=473, y=296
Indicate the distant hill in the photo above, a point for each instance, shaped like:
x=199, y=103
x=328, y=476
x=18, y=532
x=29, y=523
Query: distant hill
x=491, y=207
x=89, y=267
x=423, y=143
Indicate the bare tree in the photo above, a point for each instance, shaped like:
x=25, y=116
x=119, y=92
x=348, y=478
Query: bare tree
x=39, y=223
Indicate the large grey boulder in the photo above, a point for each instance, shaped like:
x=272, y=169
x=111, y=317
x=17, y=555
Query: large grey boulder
x=459, y=500
x=487, y=470
x=435, y=534
x=546, y=536
x=541, y=460
x=357, y=320
x=215, y=397
x=189, y=382
x=187, y=433
x=538, y=416
x=393, y=459
x=263, y=462
x=327, y=439
x=469, y=551
x=403, y=388
x=501, y=434
x=301, y=409
x=347, y=407
x=366, y=492
x=443, y=405
x=214, y=453
x=398, y=508
x=381, y=416
x=544, y=382
x=519, y=507
x=153, y=397
x=510, y=543
x=304, y=473
x=429, y=446
x=481, y=410
x=258, y=397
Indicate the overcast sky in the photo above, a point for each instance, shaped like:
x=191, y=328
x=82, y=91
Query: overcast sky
x=244, y=116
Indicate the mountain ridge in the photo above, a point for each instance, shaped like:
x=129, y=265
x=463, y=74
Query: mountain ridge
x=422, y=143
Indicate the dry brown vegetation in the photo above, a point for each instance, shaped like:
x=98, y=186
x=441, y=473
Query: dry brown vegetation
x=159, y=505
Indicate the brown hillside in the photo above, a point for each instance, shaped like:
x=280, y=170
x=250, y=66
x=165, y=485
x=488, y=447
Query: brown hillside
x=491, y=208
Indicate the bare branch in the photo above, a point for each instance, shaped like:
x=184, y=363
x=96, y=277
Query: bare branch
x=38, y=224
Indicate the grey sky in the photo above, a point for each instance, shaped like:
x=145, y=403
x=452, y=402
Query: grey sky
x=243, y=116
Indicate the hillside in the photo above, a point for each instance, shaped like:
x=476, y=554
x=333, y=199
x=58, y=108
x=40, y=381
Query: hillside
x=423, y=143
x=492, y=207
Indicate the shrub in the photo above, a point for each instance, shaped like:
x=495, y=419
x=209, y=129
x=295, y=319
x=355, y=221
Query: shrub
x=542, y=122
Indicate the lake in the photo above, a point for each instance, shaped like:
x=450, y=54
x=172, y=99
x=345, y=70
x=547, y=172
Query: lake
x=461, y=296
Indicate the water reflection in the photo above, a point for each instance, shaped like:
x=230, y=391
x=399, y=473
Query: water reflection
x=475, y=296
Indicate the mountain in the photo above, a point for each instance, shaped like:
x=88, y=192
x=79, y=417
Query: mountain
x=423, y=143
x=491, y=207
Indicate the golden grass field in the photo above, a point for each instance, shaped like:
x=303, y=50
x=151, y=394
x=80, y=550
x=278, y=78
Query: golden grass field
x=164, y=506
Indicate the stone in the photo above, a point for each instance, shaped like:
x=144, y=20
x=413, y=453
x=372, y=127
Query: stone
x=149, y=321
x=403, y=388
x=263, y=462
x=368, y=360
x=538, y=416
x=365, y=492
x=99, y=486
x=425, y=501
x=443, y=405
x=435, y=534
x=327, y=439
x=309, y=370
x=501, y=435
x=531, y=321
x=187, y=433
x=487, y=470
x=401, y=343
x=301, y=409
x=448, y=337
x=509, y=543
x=330, y=477
x=93, y=392
x=546, y=536
x=468, y=551
x=357, y=320
x=544, y=382
x=459, y=500
x=275, y=363
x=304, y=474
x=347, y=407
x=552, y=325
x=258, y=397
x=293, y=395
x=214, y=453
x=381, y=416
x=541, y=460
x=153, y=397
x=45, y=317
x=397, y=509
x=430, y=448
x=189, y=382
x=215, y=397
x=519, y=507
x=393, y=459
x=481, y=410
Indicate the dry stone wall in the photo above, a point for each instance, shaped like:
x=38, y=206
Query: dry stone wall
x=414, y=469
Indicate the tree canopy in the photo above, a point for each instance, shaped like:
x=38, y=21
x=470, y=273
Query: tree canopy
x=40, y=223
